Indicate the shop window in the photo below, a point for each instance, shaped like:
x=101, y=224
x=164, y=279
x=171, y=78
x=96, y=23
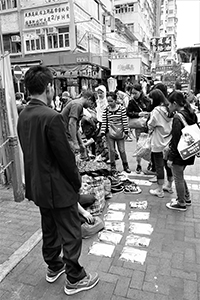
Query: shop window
x=8, y=4
x=12, y=43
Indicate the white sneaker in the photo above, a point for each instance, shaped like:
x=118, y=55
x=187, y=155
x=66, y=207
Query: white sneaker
x=156, y=192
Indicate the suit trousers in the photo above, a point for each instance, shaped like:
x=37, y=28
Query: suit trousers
x=61, y=228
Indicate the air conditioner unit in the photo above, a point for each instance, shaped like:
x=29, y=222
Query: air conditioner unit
x=52, y=30
x=40, y=31
x=15, y=38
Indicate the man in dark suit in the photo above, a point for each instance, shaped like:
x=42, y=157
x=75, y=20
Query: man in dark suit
x=52, y=181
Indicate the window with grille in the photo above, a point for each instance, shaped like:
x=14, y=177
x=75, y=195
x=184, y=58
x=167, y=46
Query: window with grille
x=10, y=44
x=8, y=4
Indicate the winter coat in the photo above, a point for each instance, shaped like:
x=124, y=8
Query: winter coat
x=160, y=126
x=177, y=126
x=52, y=178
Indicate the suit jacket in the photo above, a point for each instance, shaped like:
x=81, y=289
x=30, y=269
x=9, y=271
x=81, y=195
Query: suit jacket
x=52, y=178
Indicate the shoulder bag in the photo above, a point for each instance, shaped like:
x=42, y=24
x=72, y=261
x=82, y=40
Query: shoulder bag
x=189, y=143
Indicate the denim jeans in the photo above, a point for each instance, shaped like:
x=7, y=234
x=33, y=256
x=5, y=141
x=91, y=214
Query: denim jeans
x=121, y=149
x=182, y=191
x=160, y=164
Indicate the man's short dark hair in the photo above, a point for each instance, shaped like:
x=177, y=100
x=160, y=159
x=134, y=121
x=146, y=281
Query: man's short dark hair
x=37, y=79
x=88, y=94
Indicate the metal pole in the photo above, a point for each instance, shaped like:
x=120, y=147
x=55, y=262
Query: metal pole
x=18, y=85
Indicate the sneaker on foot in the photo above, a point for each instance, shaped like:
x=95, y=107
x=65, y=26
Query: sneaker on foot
x=156, y=192
x=154, y=179
x=176, y=206
x=84, y=284
x=138, y=169
x=168, y=189
x=52, y=276
x=127, y=170
x=188, y=202
x=149, y=172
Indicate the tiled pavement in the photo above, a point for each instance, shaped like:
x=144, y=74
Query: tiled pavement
x=171, y=270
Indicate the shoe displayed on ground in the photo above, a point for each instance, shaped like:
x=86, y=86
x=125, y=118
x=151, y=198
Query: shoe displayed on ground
x=168, y=189
x=176, y=206
x=149, y=172
x=132, y=188
x=156, y=192
x=85, y=284
x=154, y=179
x=52, y=276
x=117, y=189
x=114, y=181
x=138, y=169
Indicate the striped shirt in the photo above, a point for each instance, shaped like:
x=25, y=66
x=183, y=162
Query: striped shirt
x=116, y=117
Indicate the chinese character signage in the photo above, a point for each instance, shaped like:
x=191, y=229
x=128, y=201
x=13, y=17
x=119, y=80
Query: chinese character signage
x=50, y=16
x=36, y=3
x=126, y=66
x=162, y=44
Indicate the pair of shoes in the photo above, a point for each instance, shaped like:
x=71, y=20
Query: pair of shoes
x=175, y=205
x=168, y=189
x=127, y=170
x=117, y=189
x=84, y=284
x=149, y=172
x=154, y=179
x=138, y=169
x=156, y=192
x=132, y=188
x=114, y=181
x=52, y=276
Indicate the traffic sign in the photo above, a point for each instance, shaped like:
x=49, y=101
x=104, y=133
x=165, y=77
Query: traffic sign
x=17, y=72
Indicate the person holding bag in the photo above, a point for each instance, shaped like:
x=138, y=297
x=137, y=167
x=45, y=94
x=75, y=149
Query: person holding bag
x=178, y=103
x=138, y=111
x=115, y=127
x=160, y=125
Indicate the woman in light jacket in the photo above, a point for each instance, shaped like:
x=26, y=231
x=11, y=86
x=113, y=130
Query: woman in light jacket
x=160, y=126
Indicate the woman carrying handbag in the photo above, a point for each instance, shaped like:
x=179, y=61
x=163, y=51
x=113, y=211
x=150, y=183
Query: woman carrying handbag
x=115, y=127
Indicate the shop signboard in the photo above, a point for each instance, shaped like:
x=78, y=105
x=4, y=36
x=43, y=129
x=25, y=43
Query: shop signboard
x=126, y=66
x=36, y=3
x=161, y=44
x=47, y=16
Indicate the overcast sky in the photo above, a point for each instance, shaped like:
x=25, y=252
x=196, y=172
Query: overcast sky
x=188, y=28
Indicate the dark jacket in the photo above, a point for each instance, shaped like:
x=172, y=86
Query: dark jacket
x=177, y=126
x=52, y=179
x=136, y=106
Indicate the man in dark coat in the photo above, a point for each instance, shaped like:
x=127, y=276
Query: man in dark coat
x=52, y=181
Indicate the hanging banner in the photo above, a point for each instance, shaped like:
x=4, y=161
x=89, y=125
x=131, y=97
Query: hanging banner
x=126, y=66
x=161, y=44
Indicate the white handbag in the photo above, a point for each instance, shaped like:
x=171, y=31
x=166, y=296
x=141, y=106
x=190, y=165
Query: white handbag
x=189, y=143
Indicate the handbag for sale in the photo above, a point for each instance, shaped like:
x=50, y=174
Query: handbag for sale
x=143, y=149
x=116, y=132
x=189, y=143
x=137, y=123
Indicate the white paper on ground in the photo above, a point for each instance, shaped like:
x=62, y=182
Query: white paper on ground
x=102, y=249
x=133, y=255
x=114, y=226
x=136, y=240
x=110, y=237
x=117, y=206
x=140, y=228
x=114, y=215
x=139, y=204
x=139, y=216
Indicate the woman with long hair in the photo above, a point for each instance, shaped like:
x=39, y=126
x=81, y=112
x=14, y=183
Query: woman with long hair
x=178, y=103
x=160, y=125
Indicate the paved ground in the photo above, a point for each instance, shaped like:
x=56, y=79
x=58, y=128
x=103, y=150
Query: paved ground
x=171, y=270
